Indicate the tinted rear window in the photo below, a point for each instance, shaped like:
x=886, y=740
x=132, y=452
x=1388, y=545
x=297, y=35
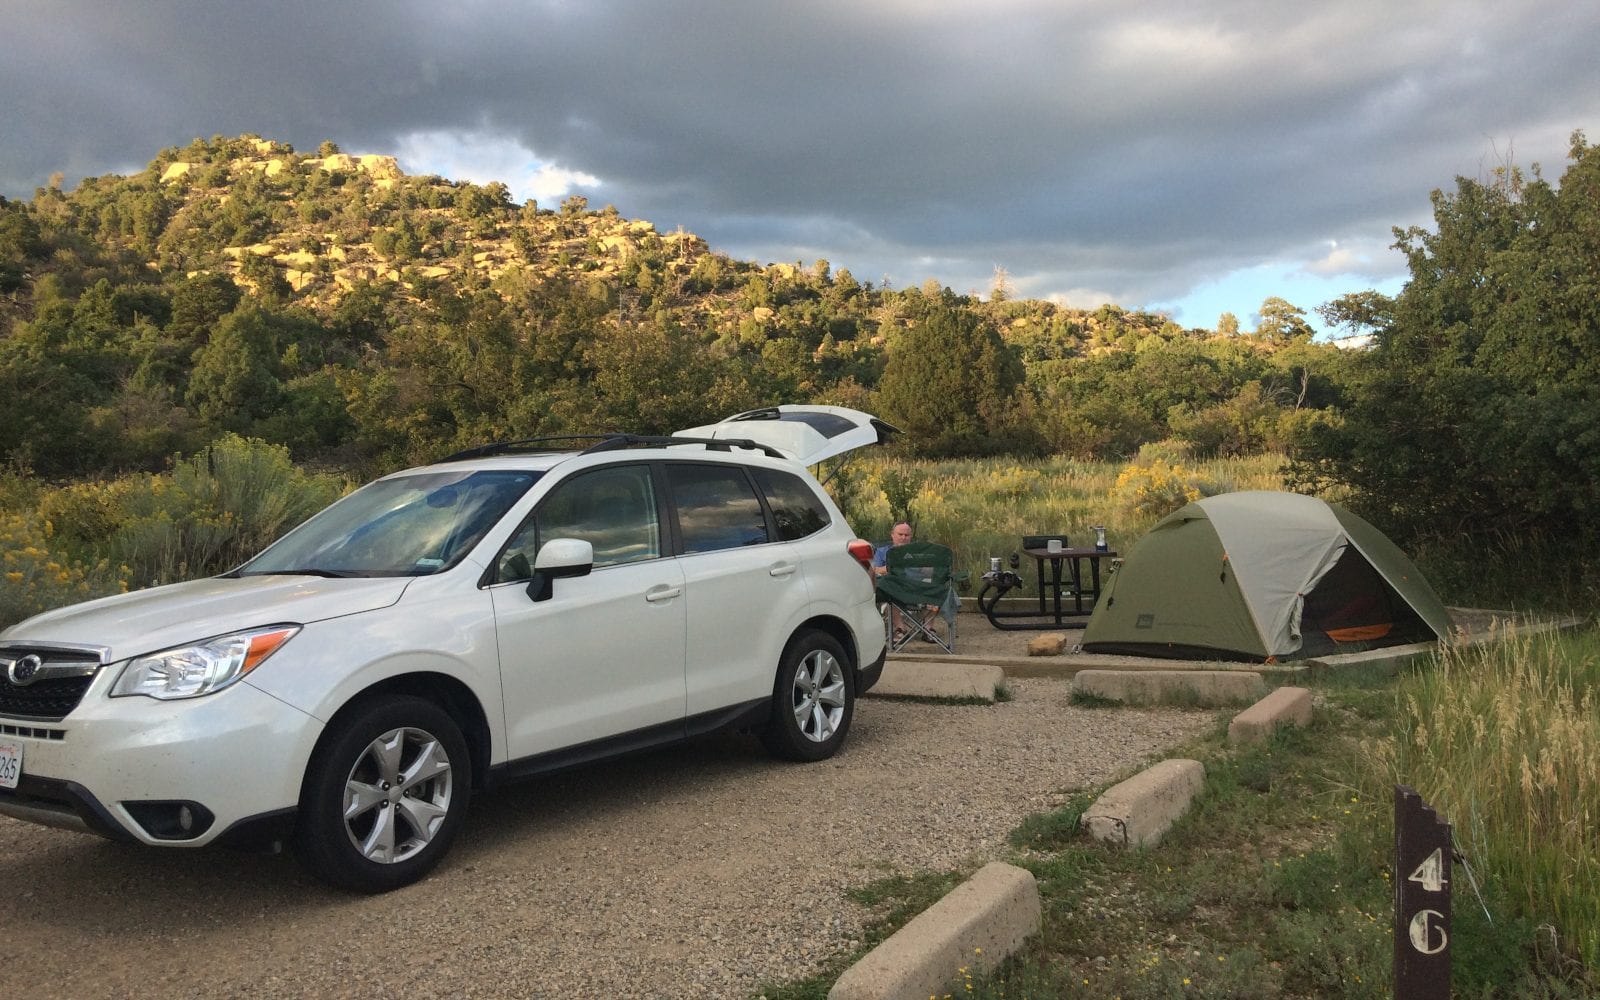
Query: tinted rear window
x=795, y=506
x=829, y=425
x=717, y=509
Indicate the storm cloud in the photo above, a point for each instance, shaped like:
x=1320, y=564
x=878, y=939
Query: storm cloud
x=1121, y=151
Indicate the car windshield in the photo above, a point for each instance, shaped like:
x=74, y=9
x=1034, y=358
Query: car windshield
x=408, y=525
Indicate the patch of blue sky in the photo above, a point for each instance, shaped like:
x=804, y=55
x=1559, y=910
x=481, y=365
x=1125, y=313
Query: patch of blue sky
x=482, y=156
x=1242, y=291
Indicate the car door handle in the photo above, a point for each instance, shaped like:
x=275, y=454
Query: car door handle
x=662, y=592
x=782, y=569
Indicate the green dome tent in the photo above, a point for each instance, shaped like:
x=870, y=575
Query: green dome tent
x=1263, y=576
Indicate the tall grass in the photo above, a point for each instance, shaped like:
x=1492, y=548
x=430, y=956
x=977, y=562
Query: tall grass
x=1504, y=740
x=983, y=507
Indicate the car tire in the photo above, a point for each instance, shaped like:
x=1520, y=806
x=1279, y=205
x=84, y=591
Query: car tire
x=813, y=700
x=384, y=795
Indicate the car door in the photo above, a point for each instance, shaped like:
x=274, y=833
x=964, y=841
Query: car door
x=604, y=654
x=743, y=589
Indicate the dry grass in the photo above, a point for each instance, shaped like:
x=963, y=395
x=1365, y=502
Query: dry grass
x=1504, y=740
x=983, y=507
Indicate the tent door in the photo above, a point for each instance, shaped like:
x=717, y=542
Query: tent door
x=1352, y=604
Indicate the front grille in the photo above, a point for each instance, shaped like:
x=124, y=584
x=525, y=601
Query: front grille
x=49, y=698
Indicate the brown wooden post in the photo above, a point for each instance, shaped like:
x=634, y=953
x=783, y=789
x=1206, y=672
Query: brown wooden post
x=1423, y=849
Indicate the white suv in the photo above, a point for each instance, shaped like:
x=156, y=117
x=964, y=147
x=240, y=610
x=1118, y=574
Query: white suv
x=498, y=614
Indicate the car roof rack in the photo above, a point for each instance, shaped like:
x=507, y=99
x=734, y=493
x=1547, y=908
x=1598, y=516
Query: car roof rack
x=605, y=442
x=616, y=441
x=564, y=442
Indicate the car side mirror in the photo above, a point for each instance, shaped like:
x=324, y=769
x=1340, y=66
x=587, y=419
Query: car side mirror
x=558, y=558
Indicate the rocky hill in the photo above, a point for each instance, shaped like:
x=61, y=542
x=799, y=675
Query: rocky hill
x=335, y=304
x=324, y=224
x=339, y=221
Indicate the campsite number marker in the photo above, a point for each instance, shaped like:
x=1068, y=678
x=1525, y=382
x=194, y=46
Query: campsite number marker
x=1430, y=874
x=1423, y=848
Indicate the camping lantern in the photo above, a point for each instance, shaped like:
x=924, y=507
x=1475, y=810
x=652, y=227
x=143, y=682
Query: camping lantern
x=1099, y=538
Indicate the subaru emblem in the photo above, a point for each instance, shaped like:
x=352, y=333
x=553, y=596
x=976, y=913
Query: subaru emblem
x=24, y=670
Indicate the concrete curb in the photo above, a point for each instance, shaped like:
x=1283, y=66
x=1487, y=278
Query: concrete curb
x=1140, y=811
x=937, y=679
x=1065, y=665
x=1508, y=627
x=1387, y=660
x=1201, y=688
x=1287, y=706
x=976, y=925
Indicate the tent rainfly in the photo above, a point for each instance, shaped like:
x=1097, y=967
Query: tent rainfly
x=1263, y=576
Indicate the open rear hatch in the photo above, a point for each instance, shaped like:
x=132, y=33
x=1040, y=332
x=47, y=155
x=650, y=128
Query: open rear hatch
x=806, y=434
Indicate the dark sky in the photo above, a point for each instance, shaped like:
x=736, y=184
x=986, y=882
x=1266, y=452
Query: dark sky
x=1187, y=156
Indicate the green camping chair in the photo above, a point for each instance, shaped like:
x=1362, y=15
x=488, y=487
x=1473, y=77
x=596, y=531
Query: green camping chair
x=921, y=585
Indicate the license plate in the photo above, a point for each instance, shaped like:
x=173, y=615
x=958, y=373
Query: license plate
x=10, y=764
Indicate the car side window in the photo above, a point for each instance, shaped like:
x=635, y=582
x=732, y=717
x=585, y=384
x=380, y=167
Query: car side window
x=613, y=509
x=794, y=505
x=717, y=508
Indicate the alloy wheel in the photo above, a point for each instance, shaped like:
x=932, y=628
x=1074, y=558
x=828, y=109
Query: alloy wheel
x=819, y=695
x=397, y=795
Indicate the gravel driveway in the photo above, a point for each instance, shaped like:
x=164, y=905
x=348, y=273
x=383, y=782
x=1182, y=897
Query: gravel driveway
x=702, y=871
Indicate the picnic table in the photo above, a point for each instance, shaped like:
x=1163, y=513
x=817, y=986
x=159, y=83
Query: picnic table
x=1066, y=593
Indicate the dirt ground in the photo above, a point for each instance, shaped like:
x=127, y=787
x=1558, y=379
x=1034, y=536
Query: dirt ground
x=704, y=870
x=699, y=871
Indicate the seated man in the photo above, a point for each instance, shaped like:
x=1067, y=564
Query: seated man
x=901, y=534
x=898, y=535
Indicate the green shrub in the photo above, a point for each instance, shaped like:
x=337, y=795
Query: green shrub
x=900, y=488
x=85, y=516
x=210, y=513
x=1151, y=492
x=38, y=577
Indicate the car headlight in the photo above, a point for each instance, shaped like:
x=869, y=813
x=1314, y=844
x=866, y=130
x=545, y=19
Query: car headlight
x=201, y=668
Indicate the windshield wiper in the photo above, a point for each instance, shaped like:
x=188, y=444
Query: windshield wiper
x=335, y=574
